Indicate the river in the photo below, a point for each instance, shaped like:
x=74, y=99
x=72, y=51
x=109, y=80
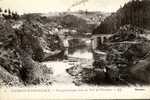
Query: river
x=76, y=56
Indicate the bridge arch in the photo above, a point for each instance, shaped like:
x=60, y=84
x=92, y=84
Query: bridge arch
x=99, y=39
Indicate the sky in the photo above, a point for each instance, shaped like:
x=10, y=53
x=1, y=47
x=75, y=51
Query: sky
x=45, y=6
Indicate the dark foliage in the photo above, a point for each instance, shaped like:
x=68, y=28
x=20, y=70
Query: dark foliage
x=135, y=13
x=8, y=14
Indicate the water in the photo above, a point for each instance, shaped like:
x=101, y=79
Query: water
x=83, y=54
x=61, y=77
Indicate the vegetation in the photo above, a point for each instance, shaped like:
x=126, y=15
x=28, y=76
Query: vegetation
x=8, y=14
x=22, y=45
x=135, y=13
x=127, y=52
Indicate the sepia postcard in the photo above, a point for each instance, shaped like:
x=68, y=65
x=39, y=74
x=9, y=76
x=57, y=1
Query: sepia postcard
x=74, y=49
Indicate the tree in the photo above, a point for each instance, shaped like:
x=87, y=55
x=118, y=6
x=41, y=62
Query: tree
x=135, y=13
x=9, y=12
x=1, y=10
x=15, y=15
x=5, y=10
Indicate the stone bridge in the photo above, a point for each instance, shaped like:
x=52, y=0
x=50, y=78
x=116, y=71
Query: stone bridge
x=93, y=40
x=100, y=38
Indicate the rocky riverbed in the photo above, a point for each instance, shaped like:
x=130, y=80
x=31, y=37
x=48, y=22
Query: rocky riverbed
x=62, y=74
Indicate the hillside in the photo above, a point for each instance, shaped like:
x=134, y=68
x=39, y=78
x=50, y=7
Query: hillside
x=135, y=13
x=127, y=49
x=24, y=44
x=30, y=39
x=80, y=21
